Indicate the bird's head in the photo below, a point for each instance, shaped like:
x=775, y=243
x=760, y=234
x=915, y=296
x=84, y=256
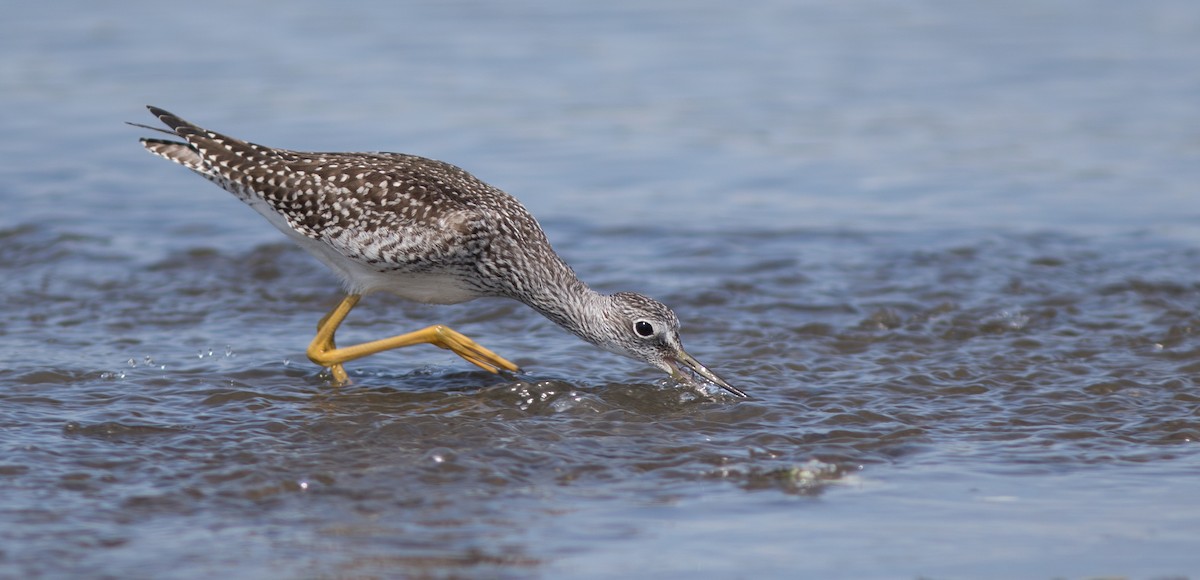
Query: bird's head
x=645, y=329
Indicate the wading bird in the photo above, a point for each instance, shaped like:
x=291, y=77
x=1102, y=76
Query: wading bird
x=426, y=231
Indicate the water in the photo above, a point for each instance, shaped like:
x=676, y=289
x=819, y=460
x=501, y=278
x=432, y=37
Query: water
x=949, y=248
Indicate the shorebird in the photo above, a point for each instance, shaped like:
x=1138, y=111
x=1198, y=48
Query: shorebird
x=426, y=231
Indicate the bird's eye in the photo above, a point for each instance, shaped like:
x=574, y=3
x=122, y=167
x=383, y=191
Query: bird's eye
x=643, y=328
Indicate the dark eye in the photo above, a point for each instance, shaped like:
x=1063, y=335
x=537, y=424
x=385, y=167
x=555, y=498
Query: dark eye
x=643, y=328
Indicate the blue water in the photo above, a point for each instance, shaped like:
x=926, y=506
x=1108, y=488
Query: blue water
x=950, y=249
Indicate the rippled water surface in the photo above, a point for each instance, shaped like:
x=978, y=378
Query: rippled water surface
x=950, y=249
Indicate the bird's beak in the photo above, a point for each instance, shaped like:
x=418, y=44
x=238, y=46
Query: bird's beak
x=685, y=359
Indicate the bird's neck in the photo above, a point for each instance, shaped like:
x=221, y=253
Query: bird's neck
x=570, y=303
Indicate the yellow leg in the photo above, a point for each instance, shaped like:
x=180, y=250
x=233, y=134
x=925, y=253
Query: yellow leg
x=323, y=351
x=323, y=342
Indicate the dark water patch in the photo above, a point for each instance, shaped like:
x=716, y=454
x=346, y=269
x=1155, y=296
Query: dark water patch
x=118, y=431
x=31, y=245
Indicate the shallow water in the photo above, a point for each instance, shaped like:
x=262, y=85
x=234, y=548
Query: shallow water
x=950, y=250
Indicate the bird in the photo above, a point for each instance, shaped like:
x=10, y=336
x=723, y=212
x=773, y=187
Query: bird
x=426, y=231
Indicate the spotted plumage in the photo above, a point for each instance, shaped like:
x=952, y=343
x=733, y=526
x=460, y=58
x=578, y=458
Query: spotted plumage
x=425, y=230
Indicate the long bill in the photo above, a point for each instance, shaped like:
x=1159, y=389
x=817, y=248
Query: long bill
x=687, y=360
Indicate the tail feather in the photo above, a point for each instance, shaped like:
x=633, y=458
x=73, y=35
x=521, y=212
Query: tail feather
x=177, y=125
x=205, y=152
x=176, y=151
x=181, y=152
x=149, y=128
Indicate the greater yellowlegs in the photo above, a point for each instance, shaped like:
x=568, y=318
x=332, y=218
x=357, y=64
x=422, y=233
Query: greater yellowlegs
x=426, y=231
